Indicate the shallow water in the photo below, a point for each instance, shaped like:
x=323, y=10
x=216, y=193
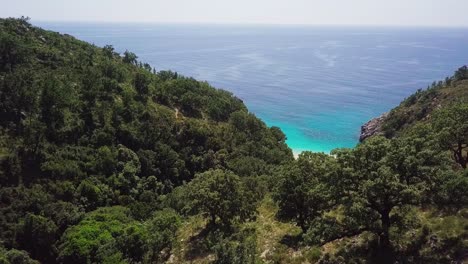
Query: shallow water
x=319, y=84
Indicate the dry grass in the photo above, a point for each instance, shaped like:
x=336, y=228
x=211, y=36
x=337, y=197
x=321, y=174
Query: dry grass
x=187, y=248
x=276, y=241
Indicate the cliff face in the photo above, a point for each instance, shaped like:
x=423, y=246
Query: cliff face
x=373, y=127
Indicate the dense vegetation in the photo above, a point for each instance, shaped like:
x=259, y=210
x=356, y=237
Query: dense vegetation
x=105, y=160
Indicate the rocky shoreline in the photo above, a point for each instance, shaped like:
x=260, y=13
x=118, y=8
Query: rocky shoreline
x=373, y=127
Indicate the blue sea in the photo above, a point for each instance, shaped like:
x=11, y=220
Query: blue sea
x=318, y=84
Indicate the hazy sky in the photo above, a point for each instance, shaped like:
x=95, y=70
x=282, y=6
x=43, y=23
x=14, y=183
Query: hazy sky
x=341, y=12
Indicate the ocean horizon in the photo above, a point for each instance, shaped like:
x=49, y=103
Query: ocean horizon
x=319, y=84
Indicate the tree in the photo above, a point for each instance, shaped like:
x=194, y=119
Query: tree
x=12, y=52
x=109, y=51
x=58, y=101
x=302, y=194
x=376, y=191
x=97, y=231
x=128, y=167
x=142, y=81
x=14, y=256
x=161, y=229
x=167, y=75
x=133, y=242
x=461, y=73
x=91, y=193
x=451, y=124
x=63, y=214
x=130, y=57
x=221, y=194
x=452, y=192
x=37, y=235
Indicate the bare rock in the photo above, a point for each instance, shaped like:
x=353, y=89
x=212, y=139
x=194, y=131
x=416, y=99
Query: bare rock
x=373, y=127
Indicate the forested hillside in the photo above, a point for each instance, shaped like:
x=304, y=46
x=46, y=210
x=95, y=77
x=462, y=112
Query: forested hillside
x=83, y=127
x=420, y=105
x=104, y=159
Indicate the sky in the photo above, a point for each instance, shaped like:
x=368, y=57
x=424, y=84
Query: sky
x=314, y=12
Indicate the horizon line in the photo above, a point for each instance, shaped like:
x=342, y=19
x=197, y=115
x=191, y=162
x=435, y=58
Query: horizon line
x=227, y=23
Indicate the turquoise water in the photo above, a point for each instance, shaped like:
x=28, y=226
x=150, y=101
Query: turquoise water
x=319, y=84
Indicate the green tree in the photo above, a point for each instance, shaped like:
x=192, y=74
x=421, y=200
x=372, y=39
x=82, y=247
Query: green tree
x=109, y=51
x=221, y=194
x=302, y=193
x=133, y=242
x=130, y=57
x=142, y=82
x=99, y=229
x=461, y=73
x=375, y=191
x=58, y=101
x=37, y=235
x=12, y=52
x=92, y=193
x=452, y=193
x=160, y=230
x=451, y=124
x=14, y=256
x=128, y=167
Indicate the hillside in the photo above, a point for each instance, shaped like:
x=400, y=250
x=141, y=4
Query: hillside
x=418, y=107
x=83, y=127
x=104, y=159
x=58, y=91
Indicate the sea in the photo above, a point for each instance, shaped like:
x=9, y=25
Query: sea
x=319, y=84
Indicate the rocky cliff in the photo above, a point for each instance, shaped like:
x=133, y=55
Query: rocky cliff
x=373, y=127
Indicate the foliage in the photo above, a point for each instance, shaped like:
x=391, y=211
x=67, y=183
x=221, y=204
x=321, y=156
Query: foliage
x=221, y=194
x=452, y=126
x=37, y=235
x=81, y=243
x=92, y=143
x=160, y=231
x=14, y=256
x=239, y=249
x=302, y=194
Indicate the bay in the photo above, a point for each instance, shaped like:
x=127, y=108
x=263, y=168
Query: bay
x=318, y=84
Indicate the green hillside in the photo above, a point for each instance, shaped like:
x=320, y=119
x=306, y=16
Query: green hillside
x=419, y=106
x=83, y=127
x=104, y=159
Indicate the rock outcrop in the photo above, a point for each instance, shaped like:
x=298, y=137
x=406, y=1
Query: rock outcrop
x=373, y=127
